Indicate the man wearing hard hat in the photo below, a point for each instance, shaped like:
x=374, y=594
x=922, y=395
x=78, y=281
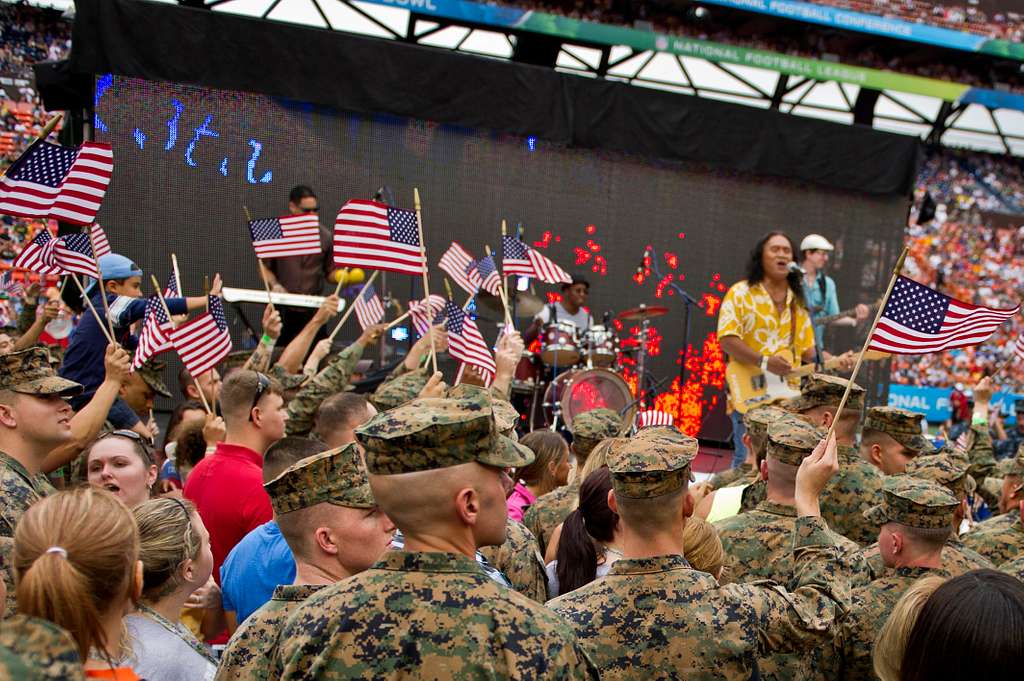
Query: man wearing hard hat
x=820, y=289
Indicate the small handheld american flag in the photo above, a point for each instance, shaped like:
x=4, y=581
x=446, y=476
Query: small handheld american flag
x=1018, y=348
x=466, y=343
x=204, y=341
x=285, y=236
x=73, y=253
x=458, y=263
x=62, y=183
x=653, y=417
x=369, y=310
x=378, y=236
x=521, y=259
x=10, y=285
x=155, y=335
x=490, y=279
x=917, y=320
x=423, y=315
x=37, y=255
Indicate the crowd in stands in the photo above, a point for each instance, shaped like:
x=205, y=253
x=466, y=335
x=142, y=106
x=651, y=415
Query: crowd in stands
x=968, y=254
x=29, y=35
x=1006, y=25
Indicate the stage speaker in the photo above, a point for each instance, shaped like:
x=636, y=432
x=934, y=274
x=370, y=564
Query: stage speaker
x=539, y=50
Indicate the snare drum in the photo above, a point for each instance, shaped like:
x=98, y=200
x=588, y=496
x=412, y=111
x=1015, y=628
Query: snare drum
x=601, y=345
x=524, y=381
x=559, y=345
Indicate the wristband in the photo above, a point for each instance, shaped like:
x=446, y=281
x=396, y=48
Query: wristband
x=267, y=340
x=764, y=363
x=978, y=420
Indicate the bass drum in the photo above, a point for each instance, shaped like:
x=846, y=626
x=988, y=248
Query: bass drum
x=581, y=390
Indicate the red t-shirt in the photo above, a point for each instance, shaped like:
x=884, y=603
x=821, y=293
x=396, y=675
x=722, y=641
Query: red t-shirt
x=227, y=489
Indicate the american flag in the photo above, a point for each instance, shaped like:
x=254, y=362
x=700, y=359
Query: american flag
x=423, y=315
x=465, y=342
x=521, y=259
x=1018, y=348
x=918, y=320
x=286, y=236
x=204, y=341
x=73, y=253
x=490, y=279
x=63, y=183
x=378, y=236
x=458, y=263
x=155, y=335
x=965, y=441
x=10, y=285
x=172, y=290
x=654, y=417
x=99, y=241
x=37, y=255
x=369, y=309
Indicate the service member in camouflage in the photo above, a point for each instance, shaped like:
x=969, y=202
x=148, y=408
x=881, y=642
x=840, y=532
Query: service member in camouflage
x=520, y=561
x=429, y=611
x=914, y=519
x=332, y=379
x=327, y=514
x=399, y=389
x=35, y=419
x=42, y=647
x=858, y=484
x=655, y=617
x=892, y=438
x=1001, y=537
x=949, y=469
x=339, y=416
x=551, y=509
x=1015, y=567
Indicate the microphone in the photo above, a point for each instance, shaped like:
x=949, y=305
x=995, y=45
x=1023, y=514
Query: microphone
x=794, y=268
x=606, y=320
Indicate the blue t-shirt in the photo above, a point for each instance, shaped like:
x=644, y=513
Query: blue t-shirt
x=821, y=305
x=254, y=568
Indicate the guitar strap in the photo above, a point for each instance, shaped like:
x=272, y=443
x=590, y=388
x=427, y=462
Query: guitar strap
x=792, y=329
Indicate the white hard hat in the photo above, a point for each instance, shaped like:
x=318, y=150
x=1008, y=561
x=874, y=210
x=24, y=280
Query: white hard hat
x=815, y=242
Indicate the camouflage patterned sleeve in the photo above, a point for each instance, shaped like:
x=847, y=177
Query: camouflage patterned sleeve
x=792, y=621
x=981, y=453
x=302, y=409
x=27, y=316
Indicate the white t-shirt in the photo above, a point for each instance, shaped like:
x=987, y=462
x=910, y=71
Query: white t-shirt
x=581, y=319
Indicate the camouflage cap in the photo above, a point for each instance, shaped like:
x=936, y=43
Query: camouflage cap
x=823, y=390
x=590, y=427
x=152, y=372
x=791, y=439
x=902, y=425
x=399, y=390
x=287, y=380
x=914, y=502
x=948, y=468
x=1015, y=466
x=29, y=372
x=505, y=415
x=758, y=419
x=431, y=432
x=653, y=463
x=335, y=477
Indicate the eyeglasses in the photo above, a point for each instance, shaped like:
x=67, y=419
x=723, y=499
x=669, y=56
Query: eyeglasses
x=261, y=387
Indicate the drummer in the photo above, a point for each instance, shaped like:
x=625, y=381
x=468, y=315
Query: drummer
x=569, y=309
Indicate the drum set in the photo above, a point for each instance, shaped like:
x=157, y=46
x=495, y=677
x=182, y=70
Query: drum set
x=575, y=371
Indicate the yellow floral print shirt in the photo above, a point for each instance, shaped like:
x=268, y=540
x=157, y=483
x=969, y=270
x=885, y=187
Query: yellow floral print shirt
x=748, y=313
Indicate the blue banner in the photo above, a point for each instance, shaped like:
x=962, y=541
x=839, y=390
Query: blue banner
x=934, y=402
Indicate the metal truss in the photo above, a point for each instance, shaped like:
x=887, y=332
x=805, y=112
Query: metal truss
x=931, y=119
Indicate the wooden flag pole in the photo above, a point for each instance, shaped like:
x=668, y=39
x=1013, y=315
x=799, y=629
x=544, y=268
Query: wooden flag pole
x=398, y=321
x=426, y=278
x=109, y=336
x=99, y=281
x=160, y=295
x=177, y=275
x=503, y=294
x=259, y=264
x=351, y=307
x=337, y=289
x=867, y=341
x=43, y=134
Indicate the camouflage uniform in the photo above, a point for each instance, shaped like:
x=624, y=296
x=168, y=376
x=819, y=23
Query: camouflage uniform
x=152, y=372
x=902, y=425
x=28, y=372
x=519, y=559
x=429, y=615
x=658, y=618
x=551, y=509
x=908, y=501
x=42, y=646
x=949, y=469
x=333, y=477
x=331, y=380
x=399, y=389
x=999, y=539
x=1014, y=567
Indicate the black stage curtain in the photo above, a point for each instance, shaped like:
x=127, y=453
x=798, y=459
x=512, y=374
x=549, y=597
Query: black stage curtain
x=369, y=76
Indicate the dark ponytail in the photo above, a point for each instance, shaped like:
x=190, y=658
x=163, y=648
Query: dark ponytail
x=577, y=553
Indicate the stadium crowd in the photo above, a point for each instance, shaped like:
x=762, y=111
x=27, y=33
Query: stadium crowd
x=1005, y=25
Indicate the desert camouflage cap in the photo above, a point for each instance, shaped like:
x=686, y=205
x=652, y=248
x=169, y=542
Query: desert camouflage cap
x=29, y=372
x=653, y=463
x=758, y=419
x=152, y=372
x=902, y=425
x=823, y=390
x=505, y=415
x=431, y=432
x=335, y=477
x=590, y=427
x=400, y=390
x=948, y=468
x=791, y=439
x=914, y=502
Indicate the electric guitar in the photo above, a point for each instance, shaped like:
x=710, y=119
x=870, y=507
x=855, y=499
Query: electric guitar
x=849, y=312
x=750, y=387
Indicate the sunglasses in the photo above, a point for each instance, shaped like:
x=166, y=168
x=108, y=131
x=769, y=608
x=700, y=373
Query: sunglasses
x=315, y=209
x=261, y=387
x=146, y=445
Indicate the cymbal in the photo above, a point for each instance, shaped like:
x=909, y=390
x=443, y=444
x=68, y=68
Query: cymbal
x=526, y=305
x=638, y=314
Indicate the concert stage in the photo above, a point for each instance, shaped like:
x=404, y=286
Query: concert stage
x=209, y=113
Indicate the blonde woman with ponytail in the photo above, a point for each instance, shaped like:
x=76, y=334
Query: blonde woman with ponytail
x=76, y=564
x=176, y=560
